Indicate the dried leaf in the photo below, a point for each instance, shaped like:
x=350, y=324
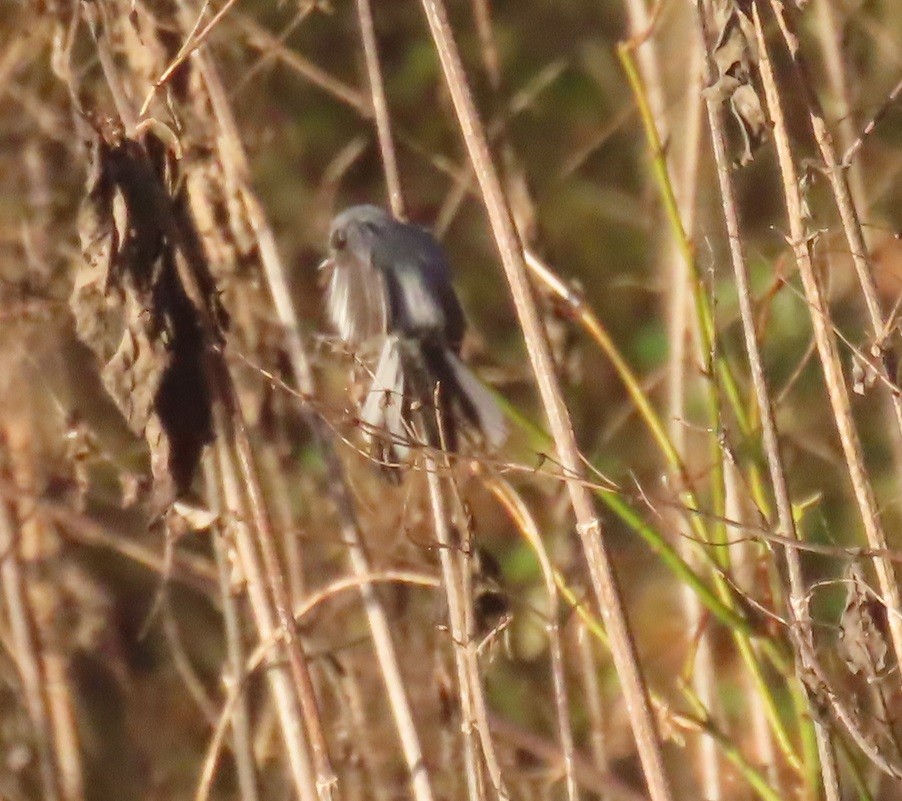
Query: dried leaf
x=133, y=311
x=861, y=641
x=195, y=516
x=865, y=373
x=735, y=57
x=863, y=647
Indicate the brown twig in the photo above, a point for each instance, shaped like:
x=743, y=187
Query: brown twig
x=380, y=106
x=519, y=511
x=27, y=654
x=234, y=673
x=871, y=124
x=260, y=39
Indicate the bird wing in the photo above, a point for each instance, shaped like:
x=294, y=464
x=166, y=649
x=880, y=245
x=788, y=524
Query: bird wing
x=356, y=300
x=421, y=299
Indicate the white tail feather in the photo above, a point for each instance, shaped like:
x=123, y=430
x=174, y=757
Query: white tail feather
x=382, y=412
x=491, y=418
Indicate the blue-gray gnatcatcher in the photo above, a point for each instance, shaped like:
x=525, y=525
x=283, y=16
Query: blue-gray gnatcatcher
x=390, y=280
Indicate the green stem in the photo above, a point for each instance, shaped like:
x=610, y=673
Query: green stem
x=718, y=372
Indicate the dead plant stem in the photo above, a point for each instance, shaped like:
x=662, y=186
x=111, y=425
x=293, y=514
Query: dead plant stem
x=380, y=107
x=234, y=674
x=453, y=567
x=27, y=655
x=281, y=680
x=519, y=511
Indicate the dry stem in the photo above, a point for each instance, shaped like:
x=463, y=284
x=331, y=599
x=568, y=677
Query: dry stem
x=28, y=655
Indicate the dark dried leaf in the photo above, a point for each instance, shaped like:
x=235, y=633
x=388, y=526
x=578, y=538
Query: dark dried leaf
x=861, y=641
x=735, y=58
x=132, y=309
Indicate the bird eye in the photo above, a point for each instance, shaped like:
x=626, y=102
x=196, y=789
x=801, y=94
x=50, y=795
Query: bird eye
x=339, y=239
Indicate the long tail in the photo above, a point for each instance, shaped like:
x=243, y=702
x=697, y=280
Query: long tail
x=385, y=413
x=463, y=398
x=412, y=374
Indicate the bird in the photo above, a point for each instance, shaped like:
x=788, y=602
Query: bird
x=390, y=284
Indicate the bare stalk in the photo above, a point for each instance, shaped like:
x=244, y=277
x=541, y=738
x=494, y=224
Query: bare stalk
x=524, y=211
x=34, y=603
x=592, y=696
x=279, y=676
x=380, y=106
x=491, y=61
x=871, y=124
x=588, y=524
x=678, y=278
x=641, y=28
x=832, y=51
x=260, y=39
x=474, y=713
x=742, y=557
x=280, y=492
x=366, y=737
x=24, y=636
x=827, y=346
x=233, y=675
x=528, y=527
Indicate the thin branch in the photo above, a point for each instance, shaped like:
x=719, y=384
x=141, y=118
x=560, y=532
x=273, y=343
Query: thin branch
x=593, y=702
x=194, y=40
x=261, y=39
x=27, y=654
x=234, y=672
x=871, y=124
x=280, y=679
x=455, y=554
x=831, y=34
x=527, y=526
x=678, y=281
x=380, y=106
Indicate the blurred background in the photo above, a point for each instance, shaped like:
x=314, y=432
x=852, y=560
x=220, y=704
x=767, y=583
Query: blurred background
x=123, y=602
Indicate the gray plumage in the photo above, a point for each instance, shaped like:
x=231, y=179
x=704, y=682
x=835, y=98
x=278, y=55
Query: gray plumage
x=390, y=284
